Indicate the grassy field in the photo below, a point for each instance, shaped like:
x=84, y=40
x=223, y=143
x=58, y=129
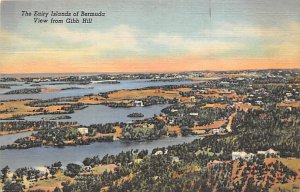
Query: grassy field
x=293, y=164
x=288, y=187
x=101, y=168
x=143, y=93
x=19, y=108
x=51, y=183
x=214, y=125
x=291, y=104
x=15, y=108
x=92, y=100
x=215, y=105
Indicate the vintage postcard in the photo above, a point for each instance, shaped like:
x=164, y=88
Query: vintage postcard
x=153, y=95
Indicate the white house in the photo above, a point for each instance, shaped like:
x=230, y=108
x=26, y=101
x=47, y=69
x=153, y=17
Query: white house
x=218, y=130
x=237, y=155
x=203, y=91
x=249, y=156
x=83, y=130
x=289, y=94
x=175, y=159
x=259, y=102
x=138, y=103
x=158, y=152
x=269, y=152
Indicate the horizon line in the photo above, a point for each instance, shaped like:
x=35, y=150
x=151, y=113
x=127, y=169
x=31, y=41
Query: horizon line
x=233, y=70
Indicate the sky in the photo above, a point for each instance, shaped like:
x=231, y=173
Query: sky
x=151, y=36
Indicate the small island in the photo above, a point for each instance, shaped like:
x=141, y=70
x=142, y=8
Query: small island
x=60, y=117
x=24, y=91
x=136, y=115
x=106, y=81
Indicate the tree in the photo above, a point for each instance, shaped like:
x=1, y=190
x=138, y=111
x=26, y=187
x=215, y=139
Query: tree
x=72, y=169
x=16, y=187
x=52, y=171
x=57, y=164
x=87, y=161
x=4, y=172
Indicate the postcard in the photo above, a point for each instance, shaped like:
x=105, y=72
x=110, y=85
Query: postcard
x=153, y=95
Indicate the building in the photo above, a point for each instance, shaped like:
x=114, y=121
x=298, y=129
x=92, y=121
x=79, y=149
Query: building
x=249, y=156
x=138, y=103
x=83, y=130
x=242, y=155
x=269, y=153
x=193, y=99
x=289, y=94
x=203, y=91
x=218, y=130
x=175, y=159
x=158, y=152
x=259, y=103
x=238, y=155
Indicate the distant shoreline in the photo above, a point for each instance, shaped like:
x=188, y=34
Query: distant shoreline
x=116, y=73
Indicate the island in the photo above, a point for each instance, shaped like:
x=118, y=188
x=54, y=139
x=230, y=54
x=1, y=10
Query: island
x=135, y=115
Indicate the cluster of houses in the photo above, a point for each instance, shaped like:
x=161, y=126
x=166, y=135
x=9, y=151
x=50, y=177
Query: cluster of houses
x=249, y=156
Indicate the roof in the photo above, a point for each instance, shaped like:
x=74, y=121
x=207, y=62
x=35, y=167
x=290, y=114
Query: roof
x=242, y=153
x=271, y=151
x=82, y=128
x=184, y=99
